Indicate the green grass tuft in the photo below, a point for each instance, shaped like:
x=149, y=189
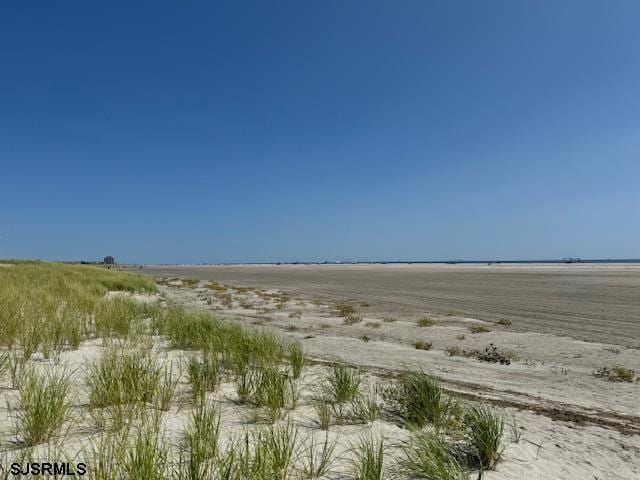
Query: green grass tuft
x=426, y=455
x=368, y=459
x=43, y=405
x=484, y=430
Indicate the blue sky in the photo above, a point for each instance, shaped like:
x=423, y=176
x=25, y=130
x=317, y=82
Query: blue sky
x=265, y=131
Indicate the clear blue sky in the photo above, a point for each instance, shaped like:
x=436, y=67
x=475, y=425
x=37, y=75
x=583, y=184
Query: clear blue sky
x=295, y=130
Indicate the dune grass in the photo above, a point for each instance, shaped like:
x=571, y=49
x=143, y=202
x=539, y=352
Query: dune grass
x=267, y=453
x=505, y=322
x=417, y=399
x=343, y=309
x=426, y=455
x=123, y=376
x=422, y=345
x=342, y=384
x=122, y=383
x=478, y=329
x=43, y=405
x=426, y=322
x=324, y=412
x=317, y=459
x=200, y=443
x=147, y=454
x=368, y=458
x=296, y=359
x=615, y=374
x=270, y=389
x=50, y=307
x=204, y=375
x=366, y=408
x=131, y=384
x=484, y=429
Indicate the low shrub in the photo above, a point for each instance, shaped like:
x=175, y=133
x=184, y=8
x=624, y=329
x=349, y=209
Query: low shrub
x=426, y=322
x=615, y=374
x=343, y=309
x=490, y=354
x=478, y=329
x=352, y=319
x=504, y=322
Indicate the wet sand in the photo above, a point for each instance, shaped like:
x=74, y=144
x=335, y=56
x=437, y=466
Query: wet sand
x=594, y=303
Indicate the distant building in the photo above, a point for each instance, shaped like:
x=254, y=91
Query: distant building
x=109, y=260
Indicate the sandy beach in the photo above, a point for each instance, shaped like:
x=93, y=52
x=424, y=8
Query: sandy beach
x=566, y=322
x=590, y=302
x=196, y=373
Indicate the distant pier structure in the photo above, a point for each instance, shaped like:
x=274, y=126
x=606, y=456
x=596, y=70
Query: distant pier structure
x=109, y=261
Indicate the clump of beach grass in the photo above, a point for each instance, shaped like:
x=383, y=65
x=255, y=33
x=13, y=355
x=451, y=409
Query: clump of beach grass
x=478, y=329
x=615, y=374
x=43, y=405
x=204, y=375
x=427, y=455
x=417, y=399
x=505, y=322
x=317, y=458
x=454, y=351
x=121, y=383
x=265, y=454
x=121, y=376
x=368, y=462
x=296, y=359
x=281, y=446
x=147, y=454
x=269, y=389
x=114, y=316
x=352, y=319
x=426, y=322
x=324, y=412
x=344, y=309
x=366, y=407
x=342, y=384
x=200, y=443
x=484, y=428
x=422, y=345
x=166, y=388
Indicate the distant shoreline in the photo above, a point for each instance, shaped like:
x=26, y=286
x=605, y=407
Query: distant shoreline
x=417, y=262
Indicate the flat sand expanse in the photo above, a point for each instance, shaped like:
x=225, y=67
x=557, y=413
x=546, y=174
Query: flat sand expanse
x=567, y=322
x=590, y=302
